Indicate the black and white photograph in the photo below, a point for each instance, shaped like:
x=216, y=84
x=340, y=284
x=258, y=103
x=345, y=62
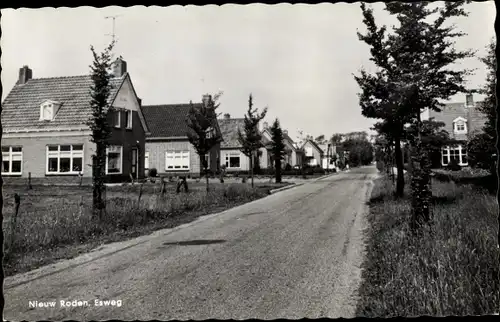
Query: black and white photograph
x=258, y=161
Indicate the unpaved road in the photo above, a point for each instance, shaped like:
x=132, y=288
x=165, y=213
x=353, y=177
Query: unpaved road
x=294, y=254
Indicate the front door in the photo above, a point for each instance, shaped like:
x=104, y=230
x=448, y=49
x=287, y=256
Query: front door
x=135, y=162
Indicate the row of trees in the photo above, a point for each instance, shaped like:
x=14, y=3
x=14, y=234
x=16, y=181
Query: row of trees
x=203, y=136
x=415, y=70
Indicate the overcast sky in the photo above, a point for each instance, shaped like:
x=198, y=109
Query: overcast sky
x=296, y=59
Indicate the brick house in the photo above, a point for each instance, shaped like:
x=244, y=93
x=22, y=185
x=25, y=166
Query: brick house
x=168, y=149
x=461, y=119
x=45, y=133
x=230, y=153
x=293, y=154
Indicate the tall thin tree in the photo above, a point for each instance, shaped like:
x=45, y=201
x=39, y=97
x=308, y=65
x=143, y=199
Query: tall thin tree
x=204, y=134
x=251, y=138
x=100, y=92
x=277, y=148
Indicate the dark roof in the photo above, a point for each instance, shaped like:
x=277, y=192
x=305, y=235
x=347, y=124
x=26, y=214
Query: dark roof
x=21, y=107
x=168, y=120
x=451, y=111
x=285, y=136
x=229, y=131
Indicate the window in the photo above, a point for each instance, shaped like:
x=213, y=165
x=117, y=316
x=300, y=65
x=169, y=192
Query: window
x=116, y=119
x=65, y=159
x=176, y=160
x=12, y=159
x=46, y=112
x=233, y=160
x=309, y=151
x=457, y=153
x=460, y=125
x=114, y=157
x=146, y=160
x=128, y=119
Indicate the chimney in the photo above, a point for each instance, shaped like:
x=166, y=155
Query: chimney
x=469, y=101
x=285, y=131
x=119, y=67
x=265, y=125
x=206, y=99
x=227, y=116
x=25, y=74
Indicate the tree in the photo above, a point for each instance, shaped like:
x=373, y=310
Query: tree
x=302, y=137
x=277, y=148
x=337, y=139
x=320, y=139
x=203, y=134
x=481, y=147
x=251, y=139
x=98, y=123
x=414, y=74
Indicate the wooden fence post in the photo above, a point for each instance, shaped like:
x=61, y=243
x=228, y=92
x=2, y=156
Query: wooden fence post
x=81, y=177
x=17, y=201
x=163, y=186
x=29, y=181
x=131, y=178
x=140, y=194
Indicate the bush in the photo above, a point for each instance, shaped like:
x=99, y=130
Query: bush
x=453, y=166
x=153, y=172
x=288, y=167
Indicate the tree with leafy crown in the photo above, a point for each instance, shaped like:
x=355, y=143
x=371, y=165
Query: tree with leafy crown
x=414, y=73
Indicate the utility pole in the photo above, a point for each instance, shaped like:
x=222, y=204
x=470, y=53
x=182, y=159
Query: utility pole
x=113, y=36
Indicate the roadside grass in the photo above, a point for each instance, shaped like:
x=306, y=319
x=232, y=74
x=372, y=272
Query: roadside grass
x=451, y=270
x=53, y=223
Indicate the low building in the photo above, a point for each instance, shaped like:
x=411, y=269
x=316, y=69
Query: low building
x=46, y=136
x=230, y=147
x=293, y=154
x=168, y=149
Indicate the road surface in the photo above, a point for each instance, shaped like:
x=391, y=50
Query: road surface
x=293, y=254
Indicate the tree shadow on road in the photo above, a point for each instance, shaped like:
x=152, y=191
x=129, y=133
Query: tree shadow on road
x=196, y=242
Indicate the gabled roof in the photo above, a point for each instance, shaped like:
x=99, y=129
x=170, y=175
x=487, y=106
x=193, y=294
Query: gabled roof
x=314, y=144
x=20, y=109
x=229, y=130
x=167, y=120
x=285, y=136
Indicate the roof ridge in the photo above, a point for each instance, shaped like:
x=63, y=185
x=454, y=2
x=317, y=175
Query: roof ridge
x=170, y=105
x=72, y=76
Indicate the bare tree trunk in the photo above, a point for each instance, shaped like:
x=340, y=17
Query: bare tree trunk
x=206, y=177
x=251, y=167
x=400, y=183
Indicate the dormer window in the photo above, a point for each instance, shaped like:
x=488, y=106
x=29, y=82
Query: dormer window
x=460, y=125
x=48, y=110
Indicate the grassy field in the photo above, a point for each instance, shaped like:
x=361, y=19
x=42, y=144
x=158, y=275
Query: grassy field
x=56, y=222
x=451, y=270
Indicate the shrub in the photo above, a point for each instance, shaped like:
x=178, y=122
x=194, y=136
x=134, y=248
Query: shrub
x=288, y=167
x=453, y=166
x=153, y=172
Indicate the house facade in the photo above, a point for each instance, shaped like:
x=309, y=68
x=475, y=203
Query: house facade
x=45, y=135
x=313, y=154
x=293, y=154
x=329, y=151
x=460, y=119
x=168, y=149
x=230, y=153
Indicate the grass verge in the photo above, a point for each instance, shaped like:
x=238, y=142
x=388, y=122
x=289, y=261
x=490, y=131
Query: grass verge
x=452, y=270
x=53, y=225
